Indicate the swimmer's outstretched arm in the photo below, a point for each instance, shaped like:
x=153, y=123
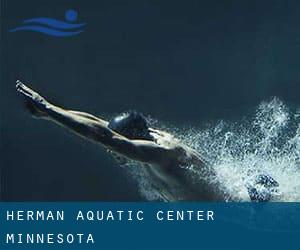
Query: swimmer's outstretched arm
x=95, y=129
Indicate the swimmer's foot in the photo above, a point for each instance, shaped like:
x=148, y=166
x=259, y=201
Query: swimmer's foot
x=34, y=103
x=263, y=188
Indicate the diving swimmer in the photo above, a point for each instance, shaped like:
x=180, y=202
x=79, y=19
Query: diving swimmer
x=129, y=136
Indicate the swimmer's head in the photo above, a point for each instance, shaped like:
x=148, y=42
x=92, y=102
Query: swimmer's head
x=132, y=125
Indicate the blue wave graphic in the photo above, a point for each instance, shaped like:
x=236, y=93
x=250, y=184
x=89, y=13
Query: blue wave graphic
x=47, y=31
x=55, y=27
x=53, y=23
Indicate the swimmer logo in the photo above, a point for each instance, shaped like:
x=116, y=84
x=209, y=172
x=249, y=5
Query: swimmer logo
x=53, y=27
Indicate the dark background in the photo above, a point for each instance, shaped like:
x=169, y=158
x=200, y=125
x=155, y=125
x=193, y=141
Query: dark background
x=182, y=62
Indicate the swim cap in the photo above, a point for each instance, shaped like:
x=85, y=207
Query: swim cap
x=132, y=125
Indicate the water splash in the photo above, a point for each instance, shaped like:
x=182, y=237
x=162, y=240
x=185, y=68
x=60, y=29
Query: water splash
x=267, y=142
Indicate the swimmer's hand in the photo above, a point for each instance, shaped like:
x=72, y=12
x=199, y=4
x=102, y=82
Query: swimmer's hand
x=35, y=103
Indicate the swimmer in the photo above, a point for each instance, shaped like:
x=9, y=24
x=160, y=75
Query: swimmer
x=129, y=136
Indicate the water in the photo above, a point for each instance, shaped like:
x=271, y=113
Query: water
x=268, y=141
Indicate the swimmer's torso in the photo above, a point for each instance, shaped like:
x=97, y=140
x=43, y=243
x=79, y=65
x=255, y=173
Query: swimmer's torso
x=177, y=179
x=180, y=183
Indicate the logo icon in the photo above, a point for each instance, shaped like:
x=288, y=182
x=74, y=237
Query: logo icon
x=53, y=27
